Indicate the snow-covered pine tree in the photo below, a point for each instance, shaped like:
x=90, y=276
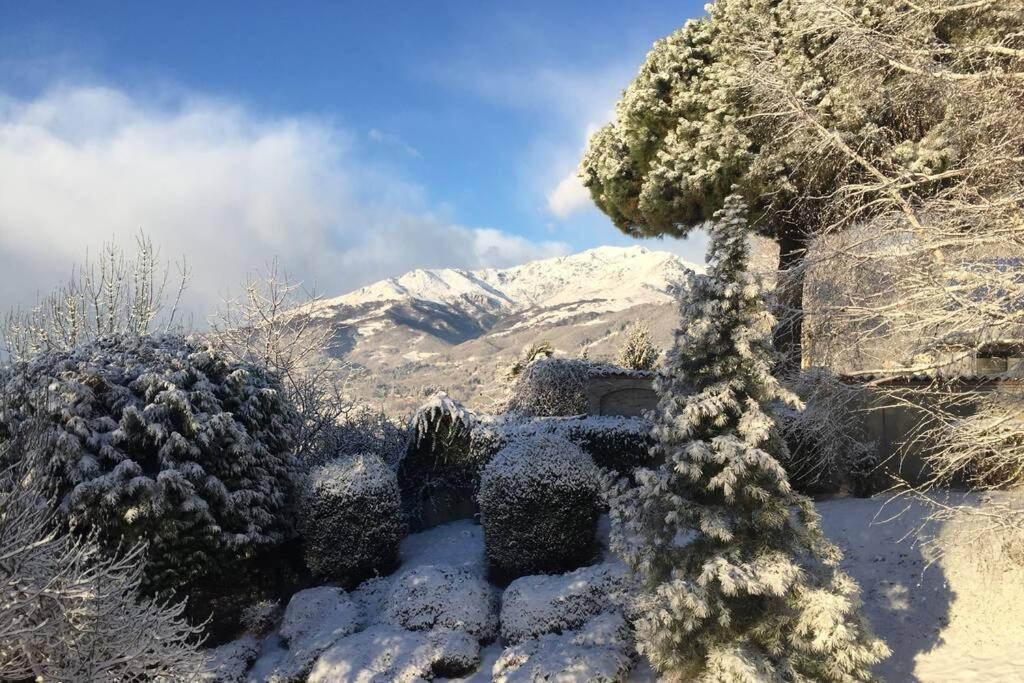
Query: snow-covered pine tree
x=741, y=584
x=638, y=352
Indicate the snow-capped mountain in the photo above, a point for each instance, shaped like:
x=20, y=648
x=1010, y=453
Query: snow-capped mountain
x=454, y=328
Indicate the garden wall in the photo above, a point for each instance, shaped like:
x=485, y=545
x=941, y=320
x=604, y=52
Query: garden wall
x=894, y=426
x=629, y=394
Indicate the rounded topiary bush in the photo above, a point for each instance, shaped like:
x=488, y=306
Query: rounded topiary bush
x=351, y=519
x=539, y=503
x=550, y=387
x=163, y=441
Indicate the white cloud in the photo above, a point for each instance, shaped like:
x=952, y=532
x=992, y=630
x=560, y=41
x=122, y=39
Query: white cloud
x=214, y=181
x=377, y=135
x=569, y=196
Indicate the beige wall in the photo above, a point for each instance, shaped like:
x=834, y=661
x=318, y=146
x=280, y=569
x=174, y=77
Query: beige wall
x=620, y=395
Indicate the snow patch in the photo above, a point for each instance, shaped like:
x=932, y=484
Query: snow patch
x=386, y=653
x=315, y=619
x=600, y=652
x=229, y=662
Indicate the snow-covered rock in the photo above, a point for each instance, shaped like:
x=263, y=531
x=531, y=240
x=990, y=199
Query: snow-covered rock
x=535, y=605
x=315, y=619
x=229, y=662
x=371, y=596
x=599, y=652
x=433, y=596
x=276, y=664
x=386, y=653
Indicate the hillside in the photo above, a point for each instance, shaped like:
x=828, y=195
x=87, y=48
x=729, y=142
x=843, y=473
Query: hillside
x=457, y=329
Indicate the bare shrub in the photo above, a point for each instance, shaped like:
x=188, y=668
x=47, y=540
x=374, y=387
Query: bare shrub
x=70, y=613
x=270, y=324
x=915, y=266
x=116, y=294
x=827, y=441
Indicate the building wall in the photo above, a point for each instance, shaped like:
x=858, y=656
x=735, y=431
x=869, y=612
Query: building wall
x=625, y=395
x=894, y=426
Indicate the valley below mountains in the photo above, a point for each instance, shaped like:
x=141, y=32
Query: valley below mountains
x=458, y=330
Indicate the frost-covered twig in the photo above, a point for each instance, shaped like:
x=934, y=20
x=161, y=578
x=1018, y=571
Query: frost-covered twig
x=115, y=294
x=70, y=613
x=270, y=325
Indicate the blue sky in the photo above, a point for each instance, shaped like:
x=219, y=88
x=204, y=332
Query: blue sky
x=353, y=140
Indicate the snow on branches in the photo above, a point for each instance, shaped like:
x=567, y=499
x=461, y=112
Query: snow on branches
x=71, y=612
x=741, y=584
x=162, y=441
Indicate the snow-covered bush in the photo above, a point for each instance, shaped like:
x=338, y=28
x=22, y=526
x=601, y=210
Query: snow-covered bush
x=260, y=618
x=539, y=503
x=351, y=518
x=740, y=583
x=432, y=596
x=530, y=353
x=386, y=653
x=550, y=386
x=617, y=443
x=638, y=352
x=315, y=619
x=365, y=430
x=439, y=472
x=230, y=662
x=118, y=293
x=163, y=441
x=61, y=597
x=600, y=651
x=828, y=445
x=534, y=605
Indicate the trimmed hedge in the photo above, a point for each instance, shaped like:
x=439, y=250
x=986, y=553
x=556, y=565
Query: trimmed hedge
x=539, y=504
x=351, y=519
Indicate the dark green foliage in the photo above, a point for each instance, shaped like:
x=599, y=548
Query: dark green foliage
x=163, y=441
x=351, y=519
x=539, y=503
x=439, y=473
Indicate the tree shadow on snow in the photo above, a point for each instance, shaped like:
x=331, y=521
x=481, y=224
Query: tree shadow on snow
x=906, y=599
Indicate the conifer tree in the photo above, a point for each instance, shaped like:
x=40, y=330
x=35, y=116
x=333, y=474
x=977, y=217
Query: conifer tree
x=740, y=583
x=637, y=351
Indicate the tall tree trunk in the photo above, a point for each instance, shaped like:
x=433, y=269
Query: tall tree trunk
x=790, y=299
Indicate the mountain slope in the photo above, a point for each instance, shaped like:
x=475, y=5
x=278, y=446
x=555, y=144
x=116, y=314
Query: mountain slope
x=456, y=329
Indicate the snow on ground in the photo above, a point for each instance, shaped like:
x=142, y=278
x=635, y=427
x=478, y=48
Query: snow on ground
x=958, y=617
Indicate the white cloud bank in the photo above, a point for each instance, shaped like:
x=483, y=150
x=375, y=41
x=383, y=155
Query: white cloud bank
x=218, y=183
x=568, y=197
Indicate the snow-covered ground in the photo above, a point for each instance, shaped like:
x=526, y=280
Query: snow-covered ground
x=955, y=617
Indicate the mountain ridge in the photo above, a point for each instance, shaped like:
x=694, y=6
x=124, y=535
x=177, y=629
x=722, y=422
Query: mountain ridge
x=456, y=328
